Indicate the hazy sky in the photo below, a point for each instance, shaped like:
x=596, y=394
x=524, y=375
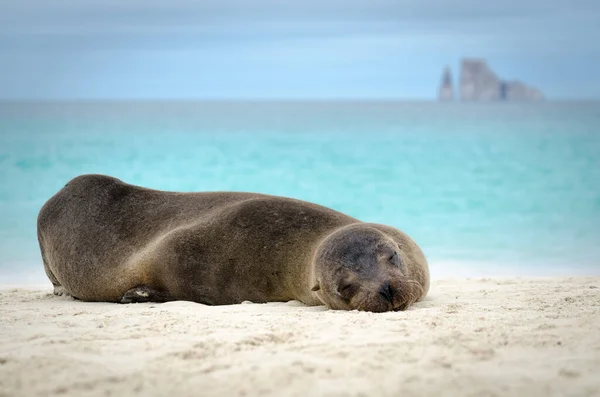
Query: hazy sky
x=290, y=48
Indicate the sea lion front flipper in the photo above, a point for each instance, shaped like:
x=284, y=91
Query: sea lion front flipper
x=59, y=290
x=142, y=293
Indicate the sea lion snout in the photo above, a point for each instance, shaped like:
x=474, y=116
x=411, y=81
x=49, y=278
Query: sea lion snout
x=364, y=294
x=387, y=292
x=396, y=294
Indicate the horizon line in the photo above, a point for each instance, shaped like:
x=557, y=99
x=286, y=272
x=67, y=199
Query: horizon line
x=291, y=99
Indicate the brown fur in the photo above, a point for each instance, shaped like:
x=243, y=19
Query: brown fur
x=105, y=240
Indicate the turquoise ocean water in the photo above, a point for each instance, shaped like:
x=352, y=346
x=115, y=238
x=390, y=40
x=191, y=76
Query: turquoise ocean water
x=485, y=189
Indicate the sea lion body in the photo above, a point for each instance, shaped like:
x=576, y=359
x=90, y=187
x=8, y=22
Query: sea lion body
x=105, y=240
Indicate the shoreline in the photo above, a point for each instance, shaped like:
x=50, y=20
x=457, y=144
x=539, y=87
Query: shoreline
x=485, y=336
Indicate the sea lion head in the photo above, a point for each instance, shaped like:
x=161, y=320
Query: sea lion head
x=359, y=267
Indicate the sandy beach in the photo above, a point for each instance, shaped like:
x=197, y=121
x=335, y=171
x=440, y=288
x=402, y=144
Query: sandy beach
x=470, y=337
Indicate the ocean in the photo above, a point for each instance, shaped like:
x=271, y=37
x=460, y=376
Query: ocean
x=485, y=189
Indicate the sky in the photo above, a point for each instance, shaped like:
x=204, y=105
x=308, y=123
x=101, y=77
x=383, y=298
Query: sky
x=290, y=49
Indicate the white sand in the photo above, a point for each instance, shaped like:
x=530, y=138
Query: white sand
x=487, y=337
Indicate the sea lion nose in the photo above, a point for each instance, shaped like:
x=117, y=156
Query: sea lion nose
x=387, y=292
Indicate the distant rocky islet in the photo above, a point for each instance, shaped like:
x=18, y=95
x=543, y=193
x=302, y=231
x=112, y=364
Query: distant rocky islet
x=479, y=83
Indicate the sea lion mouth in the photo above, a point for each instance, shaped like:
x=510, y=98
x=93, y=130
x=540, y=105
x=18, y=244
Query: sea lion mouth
x=401, y=308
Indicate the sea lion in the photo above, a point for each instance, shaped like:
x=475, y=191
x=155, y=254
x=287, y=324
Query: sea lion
x=105, y=240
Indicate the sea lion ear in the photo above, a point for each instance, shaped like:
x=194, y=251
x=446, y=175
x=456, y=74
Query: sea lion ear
x=316, y=287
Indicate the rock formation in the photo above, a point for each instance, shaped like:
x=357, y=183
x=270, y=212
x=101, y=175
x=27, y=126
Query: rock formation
x=446, y=92
x=479, y=83
x=517, y=91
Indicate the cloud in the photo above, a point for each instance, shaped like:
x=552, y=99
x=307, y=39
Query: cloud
x=185, y=24
x=85, y=16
